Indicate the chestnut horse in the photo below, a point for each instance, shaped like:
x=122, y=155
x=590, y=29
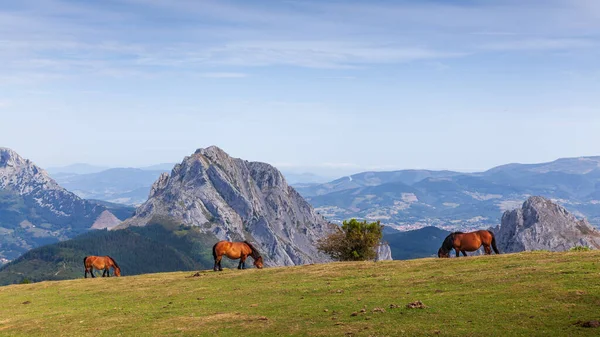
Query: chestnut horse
x=234, y=251
x=101, y=263
x=469, y=242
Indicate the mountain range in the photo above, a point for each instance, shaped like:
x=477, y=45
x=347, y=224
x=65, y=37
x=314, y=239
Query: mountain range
x=411, y=199
x=211, y=196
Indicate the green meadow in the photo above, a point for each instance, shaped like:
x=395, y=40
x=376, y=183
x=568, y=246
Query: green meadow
x=525, y=294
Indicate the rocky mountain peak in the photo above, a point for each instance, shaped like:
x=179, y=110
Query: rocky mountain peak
x=37, y=210
x=543, y=224
x=9, y=158
x=234, y=199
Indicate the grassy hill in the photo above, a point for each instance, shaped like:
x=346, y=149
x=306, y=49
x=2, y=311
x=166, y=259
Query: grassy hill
x=527, y=294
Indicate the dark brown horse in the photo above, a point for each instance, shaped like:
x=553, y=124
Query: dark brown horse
x=101, y=263
x=234, y=251
x=469, y=242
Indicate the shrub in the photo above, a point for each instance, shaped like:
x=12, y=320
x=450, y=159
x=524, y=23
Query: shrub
x=354, y=241
x=580, y=249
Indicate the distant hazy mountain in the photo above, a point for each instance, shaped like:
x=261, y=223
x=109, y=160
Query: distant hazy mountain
x=413, y=198
x=78, y=168
x=164, y=167
x=35, y=210
x=365, y=179
x=304, y=178
x=129, y=186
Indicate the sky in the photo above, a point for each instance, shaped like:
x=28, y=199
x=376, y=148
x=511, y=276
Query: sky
x=320, y=86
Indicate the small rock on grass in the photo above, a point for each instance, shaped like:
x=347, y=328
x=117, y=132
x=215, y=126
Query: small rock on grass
x=416, y=305
x=379, y=310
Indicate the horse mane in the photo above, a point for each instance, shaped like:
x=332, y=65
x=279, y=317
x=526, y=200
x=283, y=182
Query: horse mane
x=255, y=253
x=113, y=261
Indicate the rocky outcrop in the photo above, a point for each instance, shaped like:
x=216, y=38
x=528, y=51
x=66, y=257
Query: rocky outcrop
x=542, y=224
x=384, y=252
x=106, y=220
x=237, y=200
x=35, y=210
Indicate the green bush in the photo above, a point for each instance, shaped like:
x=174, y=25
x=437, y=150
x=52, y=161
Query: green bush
x=580, y=249
x=354, y=241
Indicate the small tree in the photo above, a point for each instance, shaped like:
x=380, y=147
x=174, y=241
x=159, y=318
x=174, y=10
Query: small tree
x=354, y=241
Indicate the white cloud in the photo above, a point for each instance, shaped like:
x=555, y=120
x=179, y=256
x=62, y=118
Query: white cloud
x=540, y=44
x=224, y=75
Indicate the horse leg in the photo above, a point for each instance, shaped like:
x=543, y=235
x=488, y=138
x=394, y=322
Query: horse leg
x=85, y=273
x=92, y=272
x=463, y=252
x=216, y=264
x=243, y=259
x=457, y=252
x=107, y=272
x=487, y=249
x=219, y=259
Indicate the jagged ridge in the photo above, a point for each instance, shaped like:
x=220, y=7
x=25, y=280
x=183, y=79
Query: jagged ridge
x=542, y=224
x=236, y=200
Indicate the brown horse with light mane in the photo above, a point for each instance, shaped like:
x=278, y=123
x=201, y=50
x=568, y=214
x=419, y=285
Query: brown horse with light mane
x=100, y=263
x=234, y=251
x=469, y=242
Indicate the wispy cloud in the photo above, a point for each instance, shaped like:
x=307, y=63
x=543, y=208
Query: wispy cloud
x=221, y=39
x=540, y=44
x=224, y=75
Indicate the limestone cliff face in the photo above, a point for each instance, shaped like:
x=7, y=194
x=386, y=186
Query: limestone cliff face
x=542, y=224
x=237, y=200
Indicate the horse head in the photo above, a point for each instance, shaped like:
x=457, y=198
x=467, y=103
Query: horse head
x=442, y=253
x=258, y=263
x=117, y=271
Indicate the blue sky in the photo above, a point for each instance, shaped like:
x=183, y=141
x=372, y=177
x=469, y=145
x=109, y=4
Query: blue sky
x=323, y=86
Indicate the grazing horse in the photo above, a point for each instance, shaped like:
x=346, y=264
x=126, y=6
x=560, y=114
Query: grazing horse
x=234, y=251
x=469, y=242
x=101, y=263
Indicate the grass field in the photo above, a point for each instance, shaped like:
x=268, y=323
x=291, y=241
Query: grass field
x=527, y=294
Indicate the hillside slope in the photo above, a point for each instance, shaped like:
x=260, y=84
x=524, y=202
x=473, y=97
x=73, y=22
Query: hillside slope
x=139, y=250
x=526, y=294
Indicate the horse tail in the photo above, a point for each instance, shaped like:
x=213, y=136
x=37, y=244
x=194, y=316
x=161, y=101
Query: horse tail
x=215, y=251
x=494, y=243
x=114, y=262
x=85, y=258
